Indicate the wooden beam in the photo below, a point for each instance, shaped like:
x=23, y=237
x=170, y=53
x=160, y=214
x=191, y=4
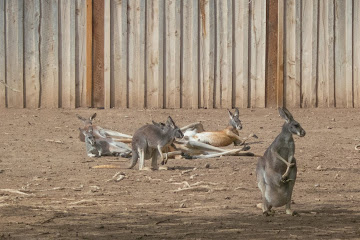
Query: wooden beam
x=98, y=53
x=271, y=53
x=89, y=53
x=2, y=54
x=280, y=54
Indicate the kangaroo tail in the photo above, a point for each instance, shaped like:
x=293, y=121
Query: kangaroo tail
x=134, y=159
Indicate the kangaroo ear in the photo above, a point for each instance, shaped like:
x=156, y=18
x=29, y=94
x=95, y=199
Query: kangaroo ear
x=170, y=122
x=230, y=114
x=81, y=118
x=236, y=113
x=284, y=114
x=93, y=117
x=288, y=114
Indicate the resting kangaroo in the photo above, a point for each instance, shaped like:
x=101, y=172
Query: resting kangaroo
x=149, y=140
x=103, y=146
x=276, y=170
x=98, y=131
x=224, y=137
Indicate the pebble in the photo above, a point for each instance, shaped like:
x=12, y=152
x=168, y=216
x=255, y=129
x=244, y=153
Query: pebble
x=182, y=205
x=317, y=185
x=207, y=165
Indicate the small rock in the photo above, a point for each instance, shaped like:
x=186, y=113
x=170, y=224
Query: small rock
x=206, y=166
x=337, y=176
x=317, y=185
x=328, y=127
x=319, y=168
x=182, y=205
x=333, y=119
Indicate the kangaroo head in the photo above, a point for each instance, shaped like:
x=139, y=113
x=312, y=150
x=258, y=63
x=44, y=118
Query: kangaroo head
x=87, y=122
x=291, y=125
x=177, y=132
x=89, y=136
x=234, y=119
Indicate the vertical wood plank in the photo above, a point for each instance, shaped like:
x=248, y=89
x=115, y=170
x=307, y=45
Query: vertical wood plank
x=136, y=31
x=356, y=54
x=98, y=53
x=107, y=53
x=309, y=52
x=292, y=57
x=2, y=54
x=67, y=53
x=190, y=77
x=172, y=57
x=280, y=54
x=257, y=45
x=326, y=54
x=80, y=53
x=224, y=44
x=207, y=52
x=119, y=52
x=89, y=53
x=217, y=85
x=14, y=52
x=155, y=48
x=343, y=53
x=32, y=63
x=49, y=54
x=241, y=53
x=271, y=52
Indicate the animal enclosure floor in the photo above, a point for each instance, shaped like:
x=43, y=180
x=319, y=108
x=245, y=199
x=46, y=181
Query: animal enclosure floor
x=49, y=190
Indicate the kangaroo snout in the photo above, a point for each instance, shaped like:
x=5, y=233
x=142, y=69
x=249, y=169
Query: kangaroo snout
x=302, y=133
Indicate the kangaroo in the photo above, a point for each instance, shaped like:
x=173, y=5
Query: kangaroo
x=224, y=137
x=276, y=170
x=149, y=140
x=103, y=146
x=98, y=131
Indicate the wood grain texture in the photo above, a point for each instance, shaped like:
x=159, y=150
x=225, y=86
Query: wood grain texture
x=119, y=70
x=2, y=54
x=190, y=66
x=343, y=56
x=356, y=54
x=89, y=52
x=80, y=53
x=224, y=57
x=292, y=79
x=49, y=54
x=107, y=54
x=271, y=53
x=137, y=34
x=257, y=45
x=14, y=52
x=241, y=54
x=309, y=52
x=172, y=57
x=31, y=52
x=326, y=94
x=67, y=53
x=280, y=54
x=98, y=53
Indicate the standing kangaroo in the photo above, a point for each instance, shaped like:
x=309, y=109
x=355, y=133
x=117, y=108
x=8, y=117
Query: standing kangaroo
x=149, y=140
x=276, y=170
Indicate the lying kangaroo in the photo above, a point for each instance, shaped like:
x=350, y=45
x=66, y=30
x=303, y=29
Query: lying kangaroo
x=224, y=137
x=276, y=170
x=149, y=140
x=98, y=131
x=103, y=146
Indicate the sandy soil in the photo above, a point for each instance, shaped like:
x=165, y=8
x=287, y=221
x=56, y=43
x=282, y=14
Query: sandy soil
x=60, y=195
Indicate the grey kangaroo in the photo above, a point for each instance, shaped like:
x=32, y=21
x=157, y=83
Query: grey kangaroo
x=149, y=140
x=103, y=146
x=276, y=170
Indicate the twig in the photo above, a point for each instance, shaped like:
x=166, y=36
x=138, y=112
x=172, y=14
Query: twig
x=12, y=89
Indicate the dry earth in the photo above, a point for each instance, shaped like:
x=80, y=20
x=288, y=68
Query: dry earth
x=49, y=190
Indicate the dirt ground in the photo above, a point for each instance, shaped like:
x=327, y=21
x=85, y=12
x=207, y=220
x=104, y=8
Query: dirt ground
x=49, y=190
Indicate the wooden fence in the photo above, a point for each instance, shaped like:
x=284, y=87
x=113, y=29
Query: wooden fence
x=179, y=53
